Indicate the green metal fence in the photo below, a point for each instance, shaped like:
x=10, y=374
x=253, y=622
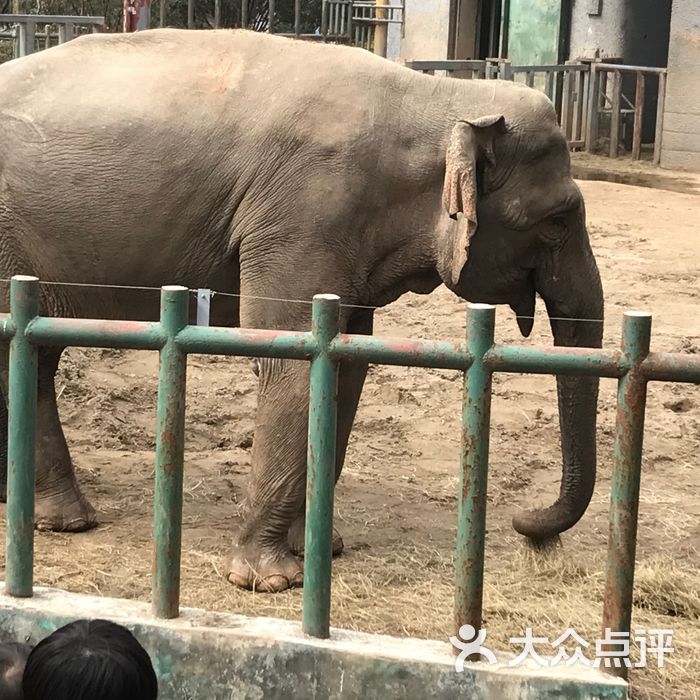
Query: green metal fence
x=633, y=365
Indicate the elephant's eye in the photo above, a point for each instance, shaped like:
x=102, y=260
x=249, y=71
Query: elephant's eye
x=552, y=233
x=558, y=220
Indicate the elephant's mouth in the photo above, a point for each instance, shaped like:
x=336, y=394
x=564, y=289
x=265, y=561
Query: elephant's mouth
x=524, y=305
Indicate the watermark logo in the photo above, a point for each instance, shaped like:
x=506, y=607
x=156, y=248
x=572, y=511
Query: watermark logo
x=613, y=650
x=469, y=642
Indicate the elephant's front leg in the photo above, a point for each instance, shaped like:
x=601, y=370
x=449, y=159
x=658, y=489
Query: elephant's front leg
x=273, y=531
x=351, y=379
x=261, y=557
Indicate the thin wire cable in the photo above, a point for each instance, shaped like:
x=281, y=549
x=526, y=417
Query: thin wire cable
x=563, y=318
x=272, y=299
x=95, y=285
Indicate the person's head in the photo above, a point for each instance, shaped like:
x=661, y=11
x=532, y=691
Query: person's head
x=89, y=660
x=13, y=657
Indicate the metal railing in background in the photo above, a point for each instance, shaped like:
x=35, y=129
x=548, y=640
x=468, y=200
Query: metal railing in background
x=456, y=68
x=341, y=21
x=607, y=97
x=325, y=348
x=368, y=16
x=566, y=85
x=24, y=32
x=581, y=93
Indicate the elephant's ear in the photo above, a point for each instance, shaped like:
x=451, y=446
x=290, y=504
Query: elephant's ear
x=469, y=141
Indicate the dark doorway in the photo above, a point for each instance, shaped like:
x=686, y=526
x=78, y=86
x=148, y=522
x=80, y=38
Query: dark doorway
x=489, y=29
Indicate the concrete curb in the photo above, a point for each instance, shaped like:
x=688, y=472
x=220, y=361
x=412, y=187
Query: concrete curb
x=623, y=171
x=220, y=656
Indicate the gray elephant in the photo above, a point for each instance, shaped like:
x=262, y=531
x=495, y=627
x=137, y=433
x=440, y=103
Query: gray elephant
x=259, y=165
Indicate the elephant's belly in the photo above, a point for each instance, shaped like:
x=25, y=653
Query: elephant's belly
x=112, y=270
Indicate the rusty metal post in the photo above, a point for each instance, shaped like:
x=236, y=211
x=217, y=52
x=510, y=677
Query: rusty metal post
x=550, y=86
x=566, y=104
x=626, y=476
x=579, y=108
x=615, y=116
x=21, y=439
x=324, y=18
x=473, y=475
x=593, y=102
x=660, y=108
x=170, y=448
x=638, y=112
x=271, y=16
x=66, y=32
x=320, y=476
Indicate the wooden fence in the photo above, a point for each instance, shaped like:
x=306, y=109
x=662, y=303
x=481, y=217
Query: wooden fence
x=589, y=97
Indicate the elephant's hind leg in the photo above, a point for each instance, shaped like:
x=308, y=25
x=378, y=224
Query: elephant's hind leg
x=60, y=505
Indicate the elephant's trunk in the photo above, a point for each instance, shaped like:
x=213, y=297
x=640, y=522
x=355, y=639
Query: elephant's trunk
x=570, y=285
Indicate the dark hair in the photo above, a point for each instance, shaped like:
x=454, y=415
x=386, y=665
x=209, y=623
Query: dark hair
x=13, y=657
x=89, y=660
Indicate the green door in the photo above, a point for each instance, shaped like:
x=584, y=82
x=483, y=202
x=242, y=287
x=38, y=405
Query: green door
x=533, y=31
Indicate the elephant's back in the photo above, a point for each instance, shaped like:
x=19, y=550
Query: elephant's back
x=184, y=74
x=113, y=147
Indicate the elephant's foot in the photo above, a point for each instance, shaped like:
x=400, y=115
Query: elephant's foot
x=64, y=511
x=296, y=539
x=264, y=570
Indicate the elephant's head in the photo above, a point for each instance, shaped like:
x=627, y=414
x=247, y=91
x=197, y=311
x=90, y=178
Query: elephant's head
x=517, y=226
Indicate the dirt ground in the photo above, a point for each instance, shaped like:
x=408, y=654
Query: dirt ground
x=396, y=502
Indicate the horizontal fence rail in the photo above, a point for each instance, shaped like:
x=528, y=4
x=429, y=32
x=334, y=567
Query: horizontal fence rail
x=325, y=348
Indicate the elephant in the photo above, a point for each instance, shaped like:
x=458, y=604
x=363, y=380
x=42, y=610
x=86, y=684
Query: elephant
x=270, y=168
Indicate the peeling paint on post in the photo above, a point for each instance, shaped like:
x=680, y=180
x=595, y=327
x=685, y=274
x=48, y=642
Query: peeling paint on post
x=170, y=450
x=21, y=439
x=626, y=476
x=320, y=476
x=473, y=476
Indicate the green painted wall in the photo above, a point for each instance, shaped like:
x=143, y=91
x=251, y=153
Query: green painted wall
x=533, y=31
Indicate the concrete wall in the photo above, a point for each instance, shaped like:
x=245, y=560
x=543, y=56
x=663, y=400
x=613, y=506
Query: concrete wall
x=219, y=656
x=393, y=42
x=633, y=30
x=681, y=136
x=427, y=30
x=603, y=32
